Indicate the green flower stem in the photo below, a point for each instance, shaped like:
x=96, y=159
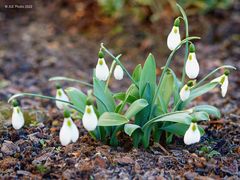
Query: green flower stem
x=110, y=73
x=44, y=97
x=61, y=78
x=187, y=35
x=169, y=60
x=212, y=73
x=174, y=108
x=92, y=135
x=119, y=63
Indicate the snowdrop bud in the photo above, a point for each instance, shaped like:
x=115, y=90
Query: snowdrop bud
x=174, y=38
x=185, y=92
x=223, y=81
x=69, y=131
x=89, y=119
x=102, y=71
x=192, y=135
x=118, y=72
x=192, y=66
x=60, y=94
x=17, y=116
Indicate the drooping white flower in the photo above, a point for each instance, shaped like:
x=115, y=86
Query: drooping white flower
x=60, y=94
x=185, y=92
x=89, y=119
x=223, y=81
x=102, y=71
x=69, y=131
x=17, y=116
x=118, y=72
x=192, y=135
x=174, y=38
x=192, y=66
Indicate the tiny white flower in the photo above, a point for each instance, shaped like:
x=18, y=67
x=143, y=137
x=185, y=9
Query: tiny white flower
x=118, y=72
x=174, y=38
x=192, y=135
x=223, y=81
x=60, y=94
x=89, y=119
x=69, y=131
x=185, y=92
x=192, y=66
x=102, y=71
x=17, y=117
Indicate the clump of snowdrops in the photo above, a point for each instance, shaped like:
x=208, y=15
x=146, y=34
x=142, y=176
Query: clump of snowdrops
x=149, y=108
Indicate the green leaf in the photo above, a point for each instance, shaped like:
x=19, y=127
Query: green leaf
x=198, y=92
x=166, y=90
x=122, y=95
x=148, y=76
x=211, y=110
x=200, y=116
x=112, y=119
x=136, y=107
x=77, y=97
x=105, y=100
x=179, y=129
x=137, y=73
x=130, y=128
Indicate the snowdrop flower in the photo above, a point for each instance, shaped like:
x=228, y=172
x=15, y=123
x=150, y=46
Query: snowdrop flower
x=69, y=131
x=60, y=94
x=17, y=116
x=118, y=72
x=192, y=135
x=89, y=119
x=223, y=81
x=185, y=91
x=102, y=71
x=174, y=38
x=192, y=66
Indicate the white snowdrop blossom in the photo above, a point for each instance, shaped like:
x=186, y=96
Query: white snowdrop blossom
x=17, y=117
x=102, y=71
x=185, y=92
x=192, y=135
x=68, y=132
x=223, y=81
x=60, y=94
x=174, y=38
x=192, y=66
x=118, y=72
x=89, y=119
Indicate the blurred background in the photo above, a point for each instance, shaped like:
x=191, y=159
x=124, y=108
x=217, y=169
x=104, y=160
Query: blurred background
x=41, y=39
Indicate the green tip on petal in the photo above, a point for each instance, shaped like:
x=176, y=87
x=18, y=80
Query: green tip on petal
x=100, y=54
x=177, y=22
x=15, y=103
x=194, y=127
x=226, y=72
x=58, y=86
x=192, y=48
x=66, y=113
x=190, y=83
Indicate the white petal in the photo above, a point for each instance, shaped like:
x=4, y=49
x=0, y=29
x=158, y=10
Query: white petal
x=60, y=94
x=218, y=79
x=17, y=118
x=174, y=38
x=224, y=86
x=102, y=71
x=118, y=72
x=75, y=132
x=191, y=136
x=184, y=94
x=89, y=120
x=65, y=134
x=192, y=66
